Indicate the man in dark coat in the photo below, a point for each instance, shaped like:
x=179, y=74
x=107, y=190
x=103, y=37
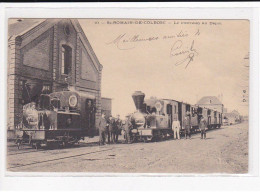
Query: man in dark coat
x=102, y=130
x=187, y=126
x=202, y=127
x=118, y=127
x=111, y=130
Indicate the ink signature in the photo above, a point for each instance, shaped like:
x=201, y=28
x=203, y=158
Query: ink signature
x=124, y=42
x=119, y=42
x=183, y=56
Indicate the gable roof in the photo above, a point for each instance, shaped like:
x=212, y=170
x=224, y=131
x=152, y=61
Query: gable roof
x=209, y=100
x=25, y=27
x=18, y=26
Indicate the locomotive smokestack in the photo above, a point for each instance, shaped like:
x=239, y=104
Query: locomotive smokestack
x=138, y=98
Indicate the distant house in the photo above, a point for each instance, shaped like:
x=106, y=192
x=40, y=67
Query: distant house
x=232, y=117
x=211, y=102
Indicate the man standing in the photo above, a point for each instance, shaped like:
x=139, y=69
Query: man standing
x=127, y=127
x=102, y=130
x=202, y=127
x=176, y=128
x=187, y=126
x=111, y=130
x=118, y=126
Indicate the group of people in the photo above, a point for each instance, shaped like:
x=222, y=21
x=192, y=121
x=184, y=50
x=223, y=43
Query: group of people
x=110, y=129
x=176, y=126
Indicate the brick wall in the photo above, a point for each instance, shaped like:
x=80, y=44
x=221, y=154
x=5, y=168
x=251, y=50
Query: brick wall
x=52, y=38
x=13, y=85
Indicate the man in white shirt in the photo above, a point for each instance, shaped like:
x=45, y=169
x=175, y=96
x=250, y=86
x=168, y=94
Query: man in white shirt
x=176, y=128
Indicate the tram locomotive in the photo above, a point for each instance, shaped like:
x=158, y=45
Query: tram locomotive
x=61, y=117
x=153, y=117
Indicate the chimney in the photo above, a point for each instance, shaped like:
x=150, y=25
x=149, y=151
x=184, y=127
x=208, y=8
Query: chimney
x=138, y=98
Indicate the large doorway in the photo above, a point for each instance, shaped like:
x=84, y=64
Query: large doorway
x=90, y=108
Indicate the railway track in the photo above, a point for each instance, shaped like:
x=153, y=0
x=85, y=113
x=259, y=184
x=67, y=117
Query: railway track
x=32, y=150
x=57, y=159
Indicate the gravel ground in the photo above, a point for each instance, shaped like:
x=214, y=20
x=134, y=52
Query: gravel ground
x=224, y=151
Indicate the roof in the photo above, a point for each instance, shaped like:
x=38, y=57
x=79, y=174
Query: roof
x=105, y=98
x=22, y=28
x=17, y=26
x=209, y=100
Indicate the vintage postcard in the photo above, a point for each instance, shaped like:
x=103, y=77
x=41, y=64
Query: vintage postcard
x=128, y=95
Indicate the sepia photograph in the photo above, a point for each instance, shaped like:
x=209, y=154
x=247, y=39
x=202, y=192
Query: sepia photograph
x=128, y=95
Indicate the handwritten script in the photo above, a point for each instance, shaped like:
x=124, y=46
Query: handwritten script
x=123, y=42
x=183, y=50
x=183, y=56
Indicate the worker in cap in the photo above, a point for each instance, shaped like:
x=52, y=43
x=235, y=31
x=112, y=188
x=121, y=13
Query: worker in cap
x=202, y=126
x=187, y=126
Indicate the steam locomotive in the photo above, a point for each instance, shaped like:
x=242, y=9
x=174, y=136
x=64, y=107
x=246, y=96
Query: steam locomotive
x=63, y=117
x=153, y=117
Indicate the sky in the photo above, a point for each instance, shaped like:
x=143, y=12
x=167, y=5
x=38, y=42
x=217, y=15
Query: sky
x=149, y=58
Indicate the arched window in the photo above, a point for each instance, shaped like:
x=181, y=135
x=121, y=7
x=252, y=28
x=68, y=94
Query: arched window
x=66, y=58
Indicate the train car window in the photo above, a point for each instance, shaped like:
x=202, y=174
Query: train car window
x=187, y=108
x=199, y=110
x=88, y=105
x=46, y=89
x=169, y=109
x=66, y=59
x=193, y=111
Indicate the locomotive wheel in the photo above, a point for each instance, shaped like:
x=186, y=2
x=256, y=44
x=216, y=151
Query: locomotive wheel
x=154, y=139
x=37, y=146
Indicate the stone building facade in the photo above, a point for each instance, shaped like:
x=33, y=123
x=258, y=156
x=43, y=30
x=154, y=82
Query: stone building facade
x=49, y=56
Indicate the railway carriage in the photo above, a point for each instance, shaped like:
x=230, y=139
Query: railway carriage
x=61, y=117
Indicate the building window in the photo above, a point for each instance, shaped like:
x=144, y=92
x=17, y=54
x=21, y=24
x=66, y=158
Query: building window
x=175, y=109
x=66, y=58
x=46, y=89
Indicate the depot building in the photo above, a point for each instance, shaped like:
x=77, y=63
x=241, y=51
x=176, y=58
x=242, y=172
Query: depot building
x=48, y=55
